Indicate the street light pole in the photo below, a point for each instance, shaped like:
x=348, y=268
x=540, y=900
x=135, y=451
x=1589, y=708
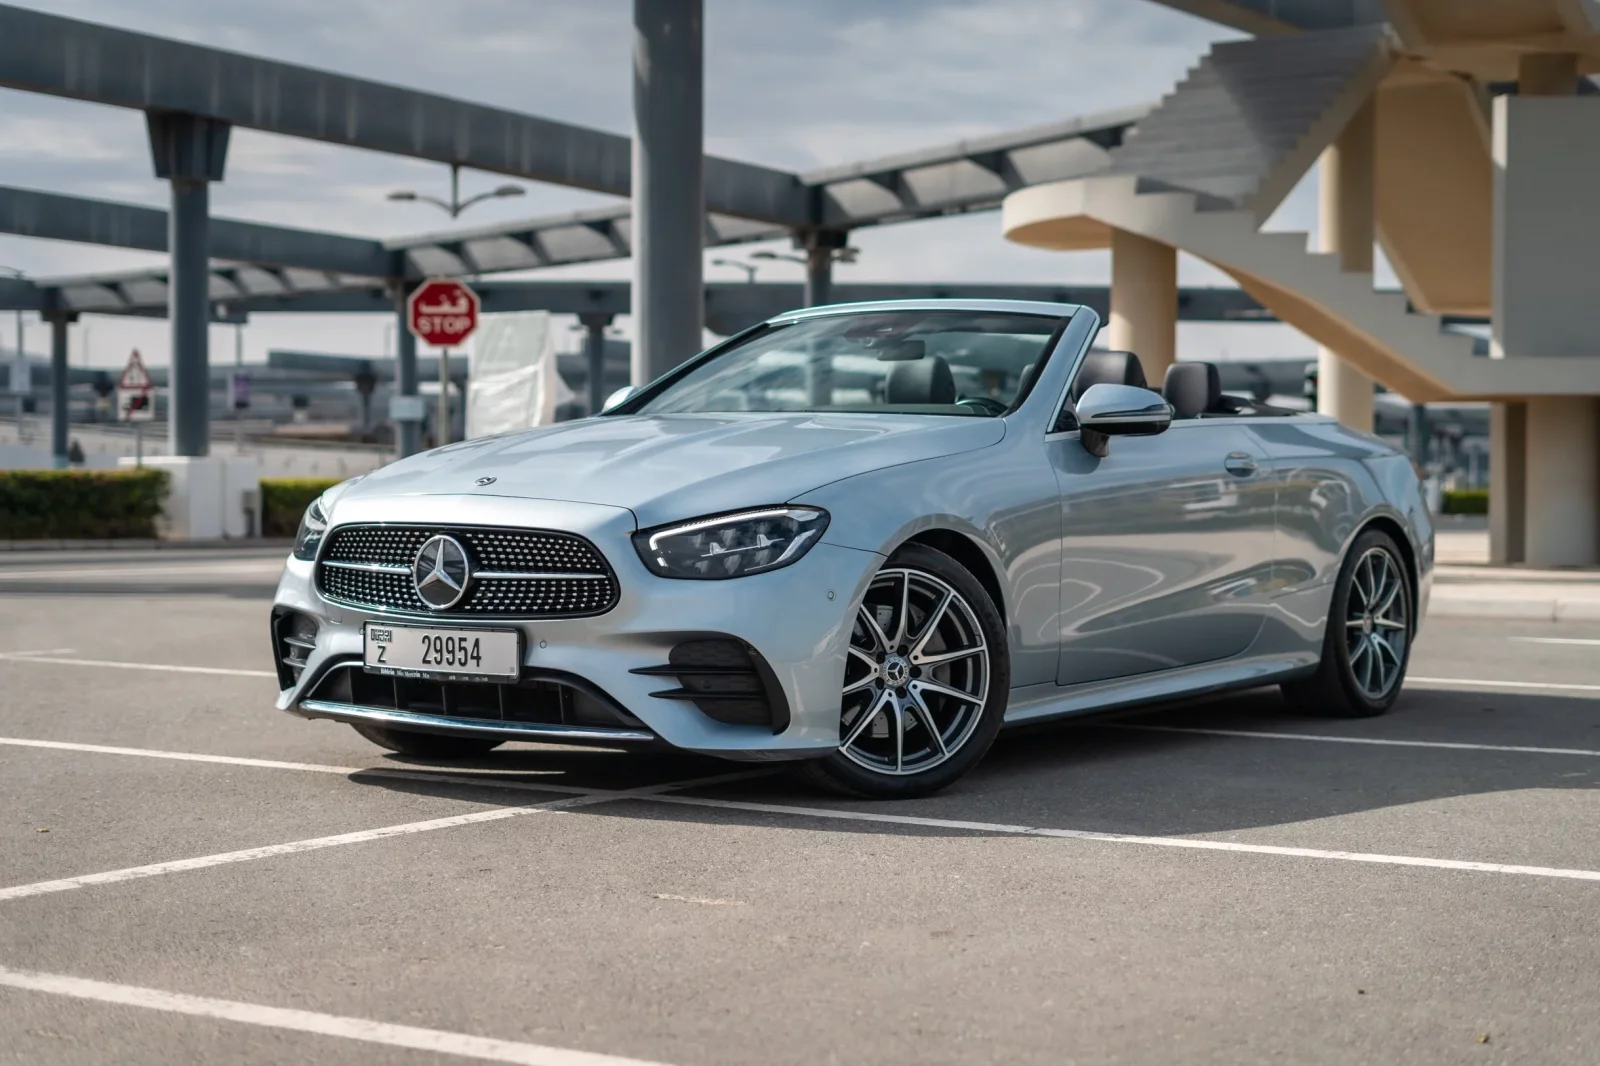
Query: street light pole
x=748, y=268
x=455, y=205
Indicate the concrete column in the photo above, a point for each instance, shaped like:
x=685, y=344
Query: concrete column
x=189, y=151
x=1563, y=481
x=594, y=349
x=60, y=409
x=408, y=434
x=1144, y=302
x=1507, y=482
x=1518, y=514
x=1345, y=218
x=668, y=184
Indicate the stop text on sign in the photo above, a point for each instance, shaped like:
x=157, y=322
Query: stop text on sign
x=442, y=312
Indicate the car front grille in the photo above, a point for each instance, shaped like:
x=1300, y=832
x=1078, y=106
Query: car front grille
x=514, y=573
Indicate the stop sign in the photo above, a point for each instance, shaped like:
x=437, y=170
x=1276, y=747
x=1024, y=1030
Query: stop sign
x=442, y=312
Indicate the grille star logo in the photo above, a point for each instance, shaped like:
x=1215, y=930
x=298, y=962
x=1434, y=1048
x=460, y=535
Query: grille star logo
x=439, y=572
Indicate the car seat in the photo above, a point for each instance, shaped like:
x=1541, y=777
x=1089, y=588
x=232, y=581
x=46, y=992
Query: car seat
x=926, y=381
x=1108, y=368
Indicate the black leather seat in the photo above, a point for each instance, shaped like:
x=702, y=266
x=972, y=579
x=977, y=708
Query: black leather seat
x=1108, y=368
x=927, y=380
x=1195, y=390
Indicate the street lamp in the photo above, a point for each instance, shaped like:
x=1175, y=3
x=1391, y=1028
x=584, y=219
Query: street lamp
x=739, y=264
x=456, y=205
x=839, y=255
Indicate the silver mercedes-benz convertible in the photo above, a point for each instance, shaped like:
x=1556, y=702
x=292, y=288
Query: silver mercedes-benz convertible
x=865, y=538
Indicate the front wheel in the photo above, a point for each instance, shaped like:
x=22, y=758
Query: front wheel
x=925, y=682
x=1368, y=642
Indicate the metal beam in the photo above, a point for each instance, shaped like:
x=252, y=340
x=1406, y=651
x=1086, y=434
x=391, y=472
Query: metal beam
x=30, y=213
x=1269, y=17
x=84, y=61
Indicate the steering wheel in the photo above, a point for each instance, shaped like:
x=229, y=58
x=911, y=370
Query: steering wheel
x=987, y=404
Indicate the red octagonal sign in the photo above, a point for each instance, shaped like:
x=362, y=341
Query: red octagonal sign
x=442, y=312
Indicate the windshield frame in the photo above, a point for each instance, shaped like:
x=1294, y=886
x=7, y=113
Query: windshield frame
x=1062, y=314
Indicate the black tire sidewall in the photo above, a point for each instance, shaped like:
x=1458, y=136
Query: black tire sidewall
x=840, y=774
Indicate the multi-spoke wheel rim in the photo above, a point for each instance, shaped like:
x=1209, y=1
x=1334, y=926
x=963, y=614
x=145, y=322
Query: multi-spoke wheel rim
x=917, y=676
x=1376, y=628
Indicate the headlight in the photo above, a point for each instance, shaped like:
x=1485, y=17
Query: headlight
x=312, y=526
x=733, y=545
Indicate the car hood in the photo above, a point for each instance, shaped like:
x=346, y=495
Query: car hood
x=668, y=467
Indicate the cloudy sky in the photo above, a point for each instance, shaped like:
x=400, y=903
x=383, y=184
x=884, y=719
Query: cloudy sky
x=789, y=83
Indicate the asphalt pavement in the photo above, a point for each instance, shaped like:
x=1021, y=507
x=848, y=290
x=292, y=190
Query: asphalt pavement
x=188, y=875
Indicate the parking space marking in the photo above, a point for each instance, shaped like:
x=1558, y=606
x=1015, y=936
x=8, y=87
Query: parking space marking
x=1557, y=640
x=1193, y=843
x=263, y=567
x=1377, y=741
x=181, y=756
x=36, y=657
x=1473, y=682
x=486, y=1049
x=40, y=651
x=578, y=797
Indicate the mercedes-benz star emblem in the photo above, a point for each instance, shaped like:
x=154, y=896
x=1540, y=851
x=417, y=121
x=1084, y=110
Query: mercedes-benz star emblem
x=482, y=481
x=439, y=572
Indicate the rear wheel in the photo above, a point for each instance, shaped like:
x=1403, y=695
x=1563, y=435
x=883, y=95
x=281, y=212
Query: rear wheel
x=426, y=745
x=1368, y=642
x=925, y=683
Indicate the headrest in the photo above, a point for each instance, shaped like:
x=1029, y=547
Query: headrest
x=1108, y=368
x=1192, y=389
x=927, y=380
x=1025, y=379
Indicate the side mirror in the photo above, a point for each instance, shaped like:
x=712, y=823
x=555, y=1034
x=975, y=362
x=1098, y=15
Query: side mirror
x=1107, y=410
x=618, y=397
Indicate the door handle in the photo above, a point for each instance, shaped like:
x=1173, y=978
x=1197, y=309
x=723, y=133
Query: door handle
x=1240, y=464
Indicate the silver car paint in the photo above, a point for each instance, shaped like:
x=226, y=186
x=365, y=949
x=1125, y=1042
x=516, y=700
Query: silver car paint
x=1156, y=555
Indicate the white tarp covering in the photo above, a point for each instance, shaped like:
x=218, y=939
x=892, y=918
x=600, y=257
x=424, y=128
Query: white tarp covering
x=514, y=382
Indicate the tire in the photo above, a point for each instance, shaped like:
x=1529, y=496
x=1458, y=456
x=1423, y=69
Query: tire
x=427, y=745
x=1367, y=646
x=943, y=630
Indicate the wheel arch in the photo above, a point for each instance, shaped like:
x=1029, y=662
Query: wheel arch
x=966, y=551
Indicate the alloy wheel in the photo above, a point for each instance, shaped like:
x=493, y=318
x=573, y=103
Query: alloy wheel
x=1376, y=626
x=917, y=677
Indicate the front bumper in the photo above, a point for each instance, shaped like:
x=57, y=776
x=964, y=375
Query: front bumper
x=797, y=619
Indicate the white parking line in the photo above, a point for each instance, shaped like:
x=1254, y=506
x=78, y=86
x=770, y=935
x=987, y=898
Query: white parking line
x=1557, y=640
x=1191, y=843
x=265, y=568
x=579, y=798
x=486, y=1049
x=1327, y=739
x=1473, y=682
x=41, y=651
x=37, y=657
x=661, y=794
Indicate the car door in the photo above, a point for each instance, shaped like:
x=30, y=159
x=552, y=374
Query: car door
x=1166, y=549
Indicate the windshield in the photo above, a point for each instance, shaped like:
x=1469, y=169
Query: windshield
x=922, y=362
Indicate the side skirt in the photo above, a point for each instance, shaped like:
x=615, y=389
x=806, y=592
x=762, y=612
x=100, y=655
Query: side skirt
x=1039, y=703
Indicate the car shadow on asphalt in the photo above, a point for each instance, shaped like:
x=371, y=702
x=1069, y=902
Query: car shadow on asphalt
x=1115, y=774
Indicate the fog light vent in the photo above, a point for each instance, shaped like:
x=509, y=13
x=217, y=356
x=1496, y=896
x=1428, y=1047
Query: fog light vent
x=294, y=638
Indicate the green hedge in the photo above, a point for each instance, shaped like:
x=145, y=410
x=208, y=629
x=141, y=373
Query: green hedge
x=285, y=499
x=1465, y=501
x=80, y=504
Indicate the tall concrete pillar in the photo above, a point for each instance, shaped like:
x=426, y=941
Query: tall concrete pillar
x=1526, y=439
x=60, y=409
x=821, y=248
x=1507, y=482
x=1563, y=481
x=1144, y=302
x=1345, y=218
x=189, y=151
x=668, y=184
x=594, y=349
x=408, y=433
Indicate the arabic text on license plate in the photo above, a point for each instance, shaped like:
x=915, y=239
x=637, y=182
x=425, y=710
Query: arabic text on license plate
x=419, y=651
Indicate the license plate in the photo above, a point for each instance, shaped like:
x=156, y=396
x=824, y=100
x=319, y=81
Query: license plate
x=458, y=654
